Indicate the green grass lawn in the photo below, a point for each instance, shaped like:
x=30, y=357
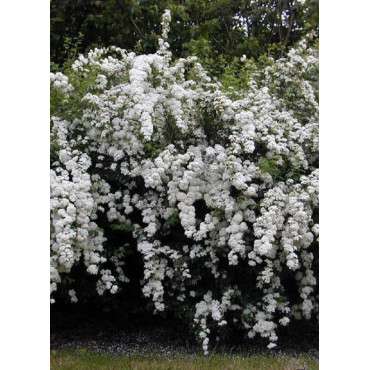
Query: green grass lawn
x=63, y=359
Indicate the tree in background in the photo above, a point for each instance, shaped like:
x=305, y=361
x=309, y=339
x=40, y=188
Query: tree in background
x=217, y=31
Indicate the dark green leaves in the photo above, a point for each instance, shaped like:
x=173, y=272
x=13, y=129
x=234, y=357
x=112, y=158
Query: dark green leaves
x=127, y=227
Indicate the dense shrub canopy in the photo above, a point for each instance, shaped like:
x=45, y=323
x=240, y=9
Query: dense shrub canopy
x=217, y=187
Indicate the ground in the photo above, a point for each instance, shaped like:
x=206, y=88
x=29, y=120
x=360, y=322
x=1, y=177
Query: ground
x=159, y=347
x=82, y=359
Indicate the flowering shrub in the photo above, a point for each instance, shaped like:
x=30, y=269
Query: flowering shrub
x=219, y=189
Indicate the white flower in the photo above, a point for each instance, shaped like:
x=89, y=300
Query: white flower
x=72, y=295
x=92, y=269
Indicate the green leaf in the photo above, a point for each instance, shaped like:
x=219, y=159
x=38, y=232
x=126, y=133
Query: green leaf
x=246, y=318
x=219, y=213
x=123, y=227
x=173, y=220
x=269, y=166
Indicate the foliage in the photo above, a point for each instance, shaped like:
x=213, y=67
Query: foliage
x=216, y=31
x=214, y=189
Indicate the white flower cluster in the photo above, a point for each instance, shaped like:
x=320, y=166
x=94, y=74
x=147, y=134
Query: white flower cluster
x=60, y=82
x=74, y=199
x=216, y=310
x=211, y=184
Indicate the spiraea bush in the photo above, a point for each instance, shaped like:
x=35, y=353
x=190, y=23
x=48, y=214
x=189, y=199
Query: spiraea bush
x=217, y=187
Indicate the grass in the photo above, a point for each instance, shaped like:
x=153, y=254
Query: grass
x=83, y=359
